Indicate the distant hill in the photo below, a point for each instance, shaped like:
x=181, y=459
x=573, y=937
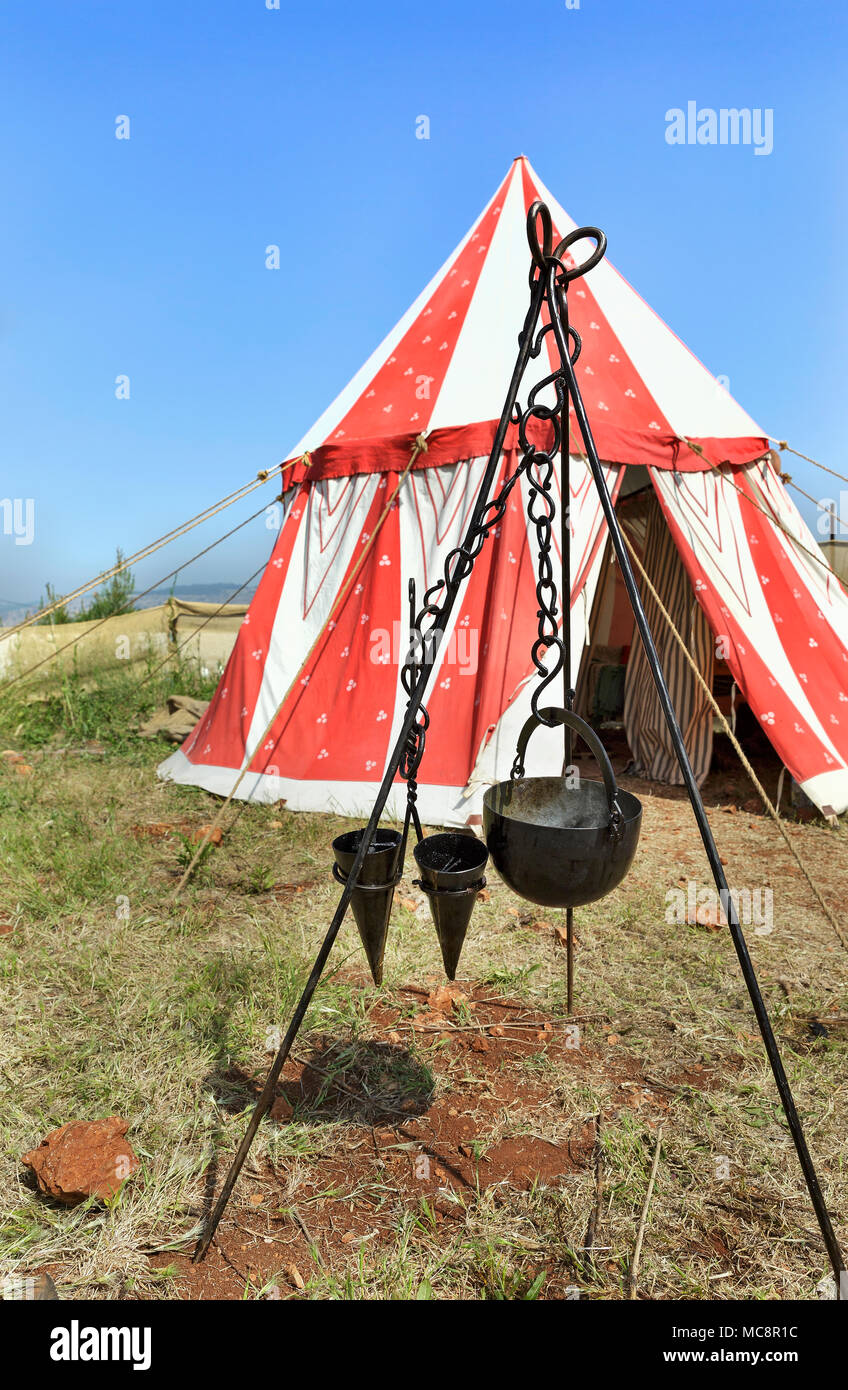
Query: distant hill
x=199, y=593
x=12, y=611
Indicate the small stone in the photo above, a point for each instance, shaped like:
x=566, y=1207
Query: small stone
x=710, y=917
x=215, y=837
x=429, y=1021
x=446, y=997
x=83, y=1159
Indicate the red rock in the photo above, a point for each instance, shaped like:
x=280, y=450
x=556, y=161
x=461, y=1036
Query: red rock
x=446, y=997
x=83, y=1159
x=429, y=1021
x=215, y=834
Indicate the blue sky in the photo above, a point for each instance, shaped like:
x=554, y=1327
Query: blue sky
x=252, y=126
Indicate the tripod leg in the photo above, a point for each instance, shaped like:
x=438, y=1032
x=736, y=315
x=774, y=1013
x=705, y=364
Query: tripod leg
x=569, y=954
x=728, y=905
x=266, y=1097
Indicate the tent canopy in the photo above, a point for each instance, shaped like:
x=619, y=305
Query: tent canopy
x=311, y=699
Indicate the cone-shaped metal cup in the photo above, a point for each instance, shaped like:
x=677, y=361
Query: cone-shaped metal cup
x=371, y=899
x=451, y=876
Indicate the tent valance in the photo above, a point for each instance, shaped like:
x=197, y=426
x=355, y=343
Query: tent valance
x=390, y=453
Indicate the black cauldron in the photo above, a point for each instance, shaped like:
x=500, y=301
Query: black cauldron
x=556, y=844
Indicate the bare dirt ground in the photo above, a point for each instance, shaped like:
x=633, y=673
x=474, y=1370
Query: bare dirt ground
x=479, y=1144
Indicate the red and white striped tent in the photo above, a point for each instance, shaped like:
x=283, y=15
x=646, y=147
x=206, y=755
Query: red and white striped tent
x=442, y=372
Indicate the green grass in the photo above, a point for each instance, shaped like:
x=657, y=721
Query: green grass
x=114, y=999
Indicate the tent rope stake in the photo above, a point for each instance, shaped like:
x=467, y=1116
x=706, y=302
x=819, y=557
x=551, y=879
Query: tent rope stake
x=551, y=272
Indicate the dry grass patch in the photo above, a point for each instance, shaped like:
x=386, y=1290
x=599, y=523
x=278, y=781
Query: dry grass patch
x=115, y=1000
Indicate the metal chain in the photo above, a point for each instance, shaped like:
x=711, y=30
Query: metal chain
x=539, y=466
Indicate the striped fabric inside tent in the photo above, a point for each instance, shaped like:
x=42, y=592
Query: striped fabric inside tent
x=644, y=723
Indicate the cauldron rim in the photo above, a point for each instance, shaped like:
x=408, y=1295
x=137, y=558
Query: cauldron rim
x=629, y=805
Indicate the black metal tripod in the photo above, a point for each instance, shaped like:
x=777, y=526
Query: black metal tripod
x=550, y=277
